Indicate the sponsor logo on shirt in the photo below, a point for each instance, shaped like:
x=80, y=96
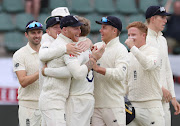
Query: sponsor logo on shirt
x=135, y=75
x=44, y=47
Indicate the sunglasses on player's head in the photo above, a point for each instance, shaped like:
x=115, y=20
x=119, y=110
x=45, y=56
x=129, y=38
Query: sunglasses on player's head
x=105, y=20
x=34, y=24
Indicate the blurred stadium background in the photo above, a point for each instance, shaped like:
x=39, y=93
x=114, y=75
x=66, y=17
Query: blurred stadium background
x=12, y=25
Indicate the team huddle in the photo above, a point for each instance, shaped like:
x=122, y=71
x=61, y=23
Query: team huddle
x=66, y=80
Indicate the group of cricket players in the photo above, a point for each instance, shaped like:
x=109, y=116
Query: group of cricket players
x=66, y=80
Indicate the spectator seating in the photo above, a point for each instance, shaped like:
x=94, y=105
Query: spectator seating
x=126, y=6
x=94, y=17
x=57, y=3
x=13, y=6
x=137, y=17
x=6, y=23
x=14, y=40
x=22, y=19
x=14, y=19
x=82, y=6
x=144, y=4
x=104, y=6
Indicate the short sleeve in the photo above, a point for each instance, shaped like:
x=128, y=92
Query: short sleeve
x=18, y=62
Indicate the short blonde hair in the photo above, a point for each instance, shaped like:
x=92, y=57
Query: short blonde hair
x=137, y=24
x=85, y=28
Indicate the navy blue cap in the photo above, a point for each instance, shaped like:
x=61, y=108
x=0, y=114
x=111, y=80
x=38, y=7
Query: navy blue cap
x=53, y=21
x=156, y=10
x=71, y=21
x=111, y=20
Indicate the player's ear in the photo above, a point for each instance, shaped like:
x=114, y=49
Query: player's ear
x=26, y=34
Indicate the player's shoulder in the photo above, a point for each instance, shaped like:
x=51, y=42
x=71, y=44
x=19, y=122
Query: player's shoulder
x=120, y=47
x=23, y=51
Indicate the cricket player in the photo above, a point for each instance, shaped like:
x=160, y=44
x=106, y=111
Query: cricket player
x=156, y=18
x=26, y=66
x=143, y=78
x=110, y=71
x=52, y=31
x=80, y=103
x=55, y=91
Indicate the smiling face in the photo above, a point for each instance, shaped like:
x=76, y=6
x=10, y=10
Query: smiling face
x=34, y=36
x=54, y=31
x=72, y=32
x=108, y=32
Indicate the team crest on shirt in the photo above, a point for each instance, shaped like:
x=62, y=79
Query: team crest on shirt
x=124, y=68
x=16, y=65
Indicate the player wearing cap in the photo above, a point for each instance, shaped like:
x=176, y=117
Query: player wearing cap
x=110, y=71
x=26, y=66
x=55, y=91
x=52, y=31
x=144, y=90
x=80, y=103
x=53, y=24
x=156, y=17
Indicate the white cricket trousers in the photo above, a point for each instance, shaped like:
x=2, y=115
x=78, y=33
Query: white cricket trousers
x=167, y=112
x=29, y=116
x=79, y=110
x=148, y=117
x=109, y=117
x=53, y=117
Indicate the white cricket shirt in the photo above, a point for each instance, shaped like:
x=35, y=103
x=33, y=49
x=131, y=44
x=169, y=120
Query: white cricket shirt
x=109, y=90
x=27, y=59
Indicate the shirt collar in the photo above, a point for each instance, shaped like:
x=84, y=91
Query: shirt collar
x=110, y=43
x=30, y=49
x=153, y=33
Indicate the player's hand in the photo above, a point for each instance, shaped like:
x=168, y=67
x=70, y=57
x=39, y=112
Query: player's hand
x=176, y=106
x=97, y=53
x=45, y=66
x=166, y=95
x=84, y=45
x=72, y=49
x=129, y=42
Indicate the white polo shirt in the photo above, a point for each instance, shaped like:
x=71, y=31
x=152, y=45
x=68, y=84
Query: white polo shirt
x=27, y=59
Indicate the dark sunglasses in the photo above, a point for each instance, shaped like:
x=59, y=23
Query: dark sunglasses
x=34, y=24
